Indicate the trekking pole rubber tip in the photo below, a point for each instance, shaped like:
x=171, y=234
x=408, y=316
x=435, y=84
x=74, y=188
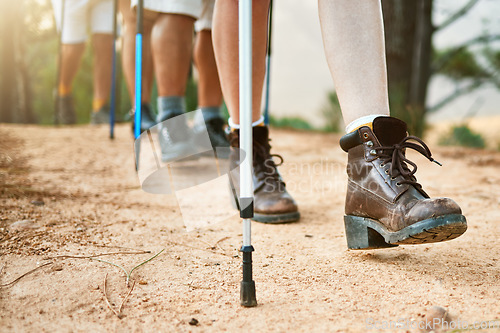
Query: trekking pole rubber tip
x=247, y=294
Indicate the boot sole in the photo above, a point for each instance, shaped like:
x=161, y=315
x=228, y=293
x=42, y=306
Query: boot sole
x=267, y=218
x=276, y=218
x=365, y=233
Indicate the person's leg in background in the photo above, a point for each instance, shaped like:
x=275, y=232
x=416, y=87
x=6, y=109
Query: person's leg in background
x=383, y=193
x=128, y=61
x=102, y=68
x=209, y=89
x=272, y=203
x=172, y=40
x=73, y=46
x=171, y=45
x=101, y=24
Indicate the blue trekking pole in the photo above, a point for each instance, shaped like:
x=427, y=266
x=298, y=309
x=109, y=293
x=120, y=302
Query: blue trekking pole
x=138, y=70
x=138, y=82
x=113, y=75
x=268, y=64
x=247, y=286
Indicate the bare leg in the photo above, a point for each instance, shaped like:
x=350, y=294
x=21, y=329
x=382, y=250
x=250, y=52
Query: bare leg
x=226, y=52
x=272, y=202
x=171, y=42
x=128, y=54
x=209, y=90
x=128, y=59
x=71, y=58
x=353, y=36
x=103, y=51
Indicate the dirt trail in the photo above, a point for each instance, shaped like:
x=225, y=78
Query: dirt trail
x=306, y=278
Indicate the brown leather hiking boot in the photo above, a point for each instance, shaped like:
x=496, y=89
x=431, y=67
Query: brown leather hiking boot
x=385, y=206
x=272, y=202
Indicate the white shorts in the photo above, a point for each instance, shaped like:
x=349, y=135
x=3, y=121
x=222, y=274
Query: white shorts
x=202, y=10
x=204, y=22
x=82, y=15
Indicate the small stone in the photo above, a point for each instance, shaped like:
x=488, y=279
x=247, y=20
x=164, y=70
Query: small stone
x=57, y=268
x=308, y=236
x=38, y=202
x=437, y=315
x=143, y=282
x=24, y=224
x=193, y=322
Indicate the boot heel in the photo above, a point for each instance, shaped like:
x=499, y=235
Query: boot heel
x=360, y=236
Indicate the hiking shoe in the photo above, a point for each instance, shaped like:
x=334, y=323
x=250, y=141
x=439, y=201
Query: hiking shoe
x=100, y=117
x=176, y=139
x=65, y=110
x=272, y=202
x=216, y=134
x=385, y=205
x=147, y=117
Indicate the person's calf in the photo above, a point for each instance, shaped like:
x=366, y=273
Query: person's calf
x=103, y=66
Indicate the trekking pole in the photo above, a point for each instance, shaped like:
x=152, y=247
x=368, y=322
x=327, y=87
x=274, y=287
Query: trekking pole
x=138, y=82
x=113, y=75
x=59, y=62
x=247, y=286
x=268, y=63
x=138, y=70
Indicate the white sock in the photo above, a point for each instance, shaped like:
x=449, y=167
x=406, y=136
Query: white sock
x=232, y=125
x=365, y=120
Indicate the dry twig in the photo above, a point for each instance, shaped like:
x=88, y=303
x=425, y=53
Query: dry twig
x=106, y=297
x=128, y=274
x=93, y=256
x=23, y=275
x=126, y=297
x=217, y=243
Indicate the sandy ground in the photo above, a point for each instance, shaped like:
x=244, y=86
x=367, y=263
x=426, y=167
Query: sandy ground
x=306, y=278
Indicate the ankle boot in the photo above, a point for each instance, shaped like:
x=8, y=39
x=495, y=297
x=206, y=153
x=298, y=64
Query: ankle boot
x=385, y=205
x=272, y=202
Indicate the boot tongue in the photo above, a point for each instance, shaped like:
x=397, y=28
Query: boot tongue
x=389, y=131
x=261, y=134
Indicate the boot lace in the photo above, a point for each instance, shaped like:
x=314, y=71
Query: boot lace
x=399, y=163
x=263, y=160
x=262, y=152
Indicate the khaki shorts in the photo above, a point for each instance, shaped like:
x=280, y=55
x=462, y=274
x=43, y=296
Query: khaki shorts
x=202, y=10
x=80, y=16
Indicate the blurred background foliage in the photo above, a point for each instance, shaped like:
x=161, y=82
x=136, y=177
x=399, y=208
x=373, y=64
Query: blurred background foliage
x=29, y=50
x=462, y=135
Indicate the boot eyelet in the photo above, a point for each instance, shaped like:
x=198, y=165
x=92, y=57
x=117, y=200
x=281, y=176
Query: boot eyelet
x=393, y=178
x=398, y=184
x=365, y=135
x=369, y=144
x=387, y=171
x=373, y=152
x=382, y=165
